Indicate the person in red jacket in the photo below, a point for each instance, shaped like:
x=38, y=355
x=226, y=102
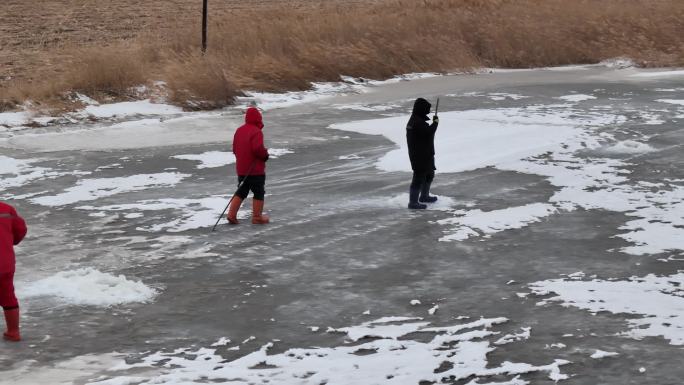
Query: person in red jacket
x=250, y=164
x=12, y=231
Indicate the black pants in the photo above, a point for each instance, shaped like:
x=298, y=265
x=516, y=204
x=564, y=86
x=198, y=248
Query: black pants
x=422, y=179
x=255, y=183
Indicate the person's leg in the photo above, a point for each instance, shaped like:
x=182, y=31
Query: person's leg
x=425, y=189
x=414, y=191
x=239, y=196
x=10, y=306
x=259, y=190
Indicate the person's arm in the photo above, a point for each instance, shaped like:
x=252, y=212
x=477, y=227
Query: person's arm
x=435, y=123
x=18, y=228
x=232, y=145
x=258, y=149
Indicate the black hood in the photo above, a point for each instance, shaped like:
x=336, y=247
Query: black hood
x=421, y=107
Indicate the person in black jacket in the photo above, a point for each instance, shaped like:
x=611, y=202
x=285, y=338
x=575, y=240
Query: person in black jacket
x=421, y=145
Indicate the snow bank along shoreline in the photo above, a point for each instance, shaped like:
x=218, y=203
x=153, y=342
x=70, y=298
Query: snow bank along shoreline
x=126, y=111
x=93, y=110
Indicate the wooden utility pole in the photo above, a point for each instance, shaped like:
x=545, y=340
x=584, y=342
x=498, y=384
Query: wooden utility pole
x=204, y=27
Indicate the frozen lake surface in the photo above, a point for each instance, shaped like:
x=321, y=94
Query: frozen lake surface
x=555, y=252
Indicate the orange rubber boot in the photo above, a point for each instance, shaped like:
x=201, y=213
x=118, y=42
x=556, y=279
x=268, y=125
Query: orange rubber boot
x=12, y=320
x=233, y=210
x=258, y=218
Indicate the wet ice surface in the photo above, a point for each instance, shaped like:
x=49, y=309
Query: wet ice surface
x=122, y=281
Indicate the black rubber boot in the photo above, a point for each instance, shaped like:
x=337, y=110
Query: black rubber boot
x=425, y=195
x=413, y=200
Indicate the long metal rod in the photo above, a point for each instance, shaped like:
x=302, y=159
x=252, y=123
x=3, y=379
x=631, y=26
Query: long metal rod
x=231, y=198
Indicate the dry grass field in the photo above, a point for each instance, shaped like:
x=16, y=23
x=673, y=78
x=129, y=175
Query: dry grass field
x=104, y=47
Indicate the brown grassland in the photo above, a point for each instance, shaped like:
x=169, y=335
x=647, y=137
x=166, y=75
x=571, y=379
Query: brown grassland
x=103, y=48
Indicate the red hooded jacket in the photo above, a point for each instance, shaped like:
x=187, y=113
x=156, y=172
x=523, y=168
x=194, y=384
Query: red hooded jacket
x=248, y=145
x=12, y=231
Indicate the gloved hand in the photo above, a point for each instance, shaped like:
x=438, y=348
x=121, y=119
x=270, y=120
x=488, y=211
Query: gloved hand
x=267, y=156
x=435, y=119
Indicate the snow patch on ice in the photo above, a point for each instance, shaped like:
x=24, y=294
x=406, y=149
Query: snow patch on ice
x=392, y=358
x=366, y=107
x=556, y=345
x=619, y=63
x=576, y=67
x=109, y=166
x=166, y=130
x=92, y=189
x=349, y=157
x=579, y=67
x=577, y=97
x=661, y=230
x=209, y=159
x=489, y=137
x=223, y=341
x=508, y=338
x=386, y=327
x=629, y=147
x=600, y=184
x=659, y=74
x=278, y=152
x=14, y=119
x=658, y=299
x=323, y=90
x=70, y=371
x=88, y=286
x=499, y=96
x=127, y=109
x=503, y=70
x=269, y=101
x=679, y=102
x=651, y=118
x=598, y=354
x=194, y=213
x=85, y=99
x=515, y=381
x=413, y=76
x=395, y=79
x=214, y=159
x=470, y=223
x=20, y=172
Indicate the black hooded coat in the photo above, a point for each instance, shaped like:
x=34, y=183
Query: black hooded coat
x=420, y=137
